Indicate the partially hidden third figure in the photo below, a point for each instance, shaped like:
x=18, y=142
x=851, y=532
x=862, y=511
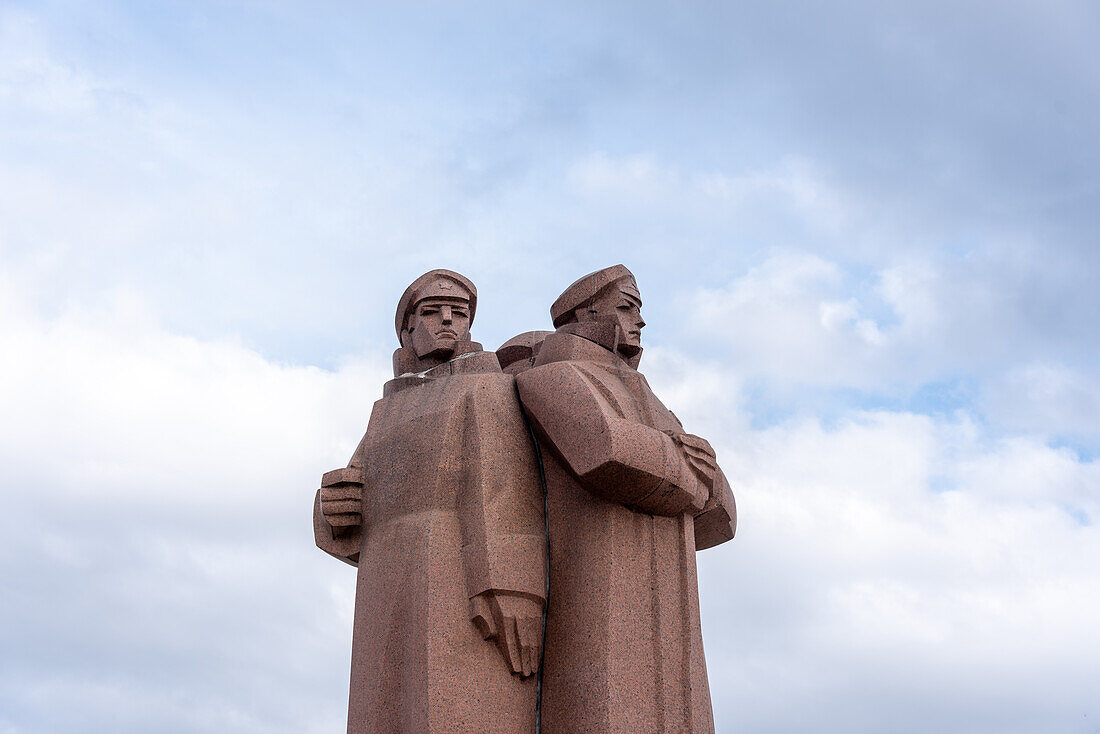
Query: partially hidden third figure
x=631, y=497
x=441, y=509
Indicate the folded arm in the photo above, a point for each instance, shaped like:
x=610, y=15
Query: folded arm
x=615, y=458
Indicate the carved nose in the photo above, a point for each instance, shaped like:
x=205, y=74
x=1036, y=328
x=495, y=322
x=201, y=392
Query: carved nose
x=446, y=314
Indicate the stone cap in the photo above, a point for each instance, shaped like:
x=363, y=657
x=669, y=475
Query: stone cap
x=519, y=347
x=585, y=288
x=439, y=283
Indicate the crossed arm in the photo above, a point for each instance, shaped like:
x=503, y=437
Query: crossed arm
x=621, y=460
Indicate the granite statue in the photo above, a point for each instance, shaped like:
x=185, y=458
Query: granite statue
x=525, y=524
x=631, y=497
x=441, y=510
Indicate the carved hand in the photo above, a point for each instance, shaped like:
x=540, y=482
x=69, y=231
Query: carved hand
x=342, y=497
x=515, y=623
x=699, y=454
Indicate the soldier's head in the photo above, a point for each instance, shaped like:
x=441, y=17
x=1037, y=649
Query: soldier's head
x=435, y=313
x=607, y=298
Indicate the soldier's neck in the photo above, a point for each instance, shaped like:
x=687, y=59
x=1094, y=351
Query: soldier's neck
x=600, y=340
x=406, y=362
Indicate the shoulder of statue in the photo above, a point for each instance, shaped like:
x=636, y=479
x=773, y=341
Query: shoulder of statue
x=563, y=382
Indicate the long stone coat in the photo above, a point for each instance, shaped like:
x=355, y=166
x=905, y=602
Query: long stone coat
x=452, y=507
x=624, y=650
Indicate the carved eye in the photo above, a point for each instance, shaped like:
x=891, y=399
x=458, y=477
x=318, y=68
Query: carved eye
x=459, y=312
x=428, y=310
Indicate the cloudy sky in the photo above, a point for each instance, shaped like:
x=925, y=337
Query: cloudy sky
x=866, y=234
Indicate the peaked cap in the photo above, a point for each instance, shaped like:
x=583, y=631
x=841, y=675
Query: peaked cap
x=586, y=288
x=438, y=283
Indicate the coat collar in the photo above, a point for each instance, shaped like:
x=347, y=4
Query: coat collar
x=406, y=362
x=466, y=364
x=561, y=346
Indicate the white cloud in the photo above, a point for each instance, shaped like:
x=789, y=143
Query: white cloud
x=156, y=494
x=894, y=571
x=993, y=318
x=1046, y=398
x=789, y=187
x=788, y=318
x=126, y=399
x=857, y=578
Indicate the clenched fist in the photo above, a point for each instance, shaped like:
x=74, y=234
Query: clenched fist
x=342, y=497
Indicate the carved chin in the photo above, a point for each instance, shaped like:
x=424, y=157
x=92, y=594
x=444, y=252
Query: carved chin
x=437, y=348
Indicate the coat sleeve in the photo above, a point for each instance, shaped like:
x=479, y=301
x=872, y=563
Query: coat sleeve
x=615, y=458
x=501, y=502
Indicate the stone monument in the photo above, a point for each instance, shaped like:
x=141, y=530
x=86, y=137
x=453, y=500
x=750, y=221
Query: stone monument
x=592, y=604
x=631, y=497
x=441, y=509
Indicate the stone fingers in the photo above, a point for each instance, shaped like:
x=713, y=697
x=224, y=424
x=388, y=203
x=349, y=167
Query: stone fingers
x=530, y=638
x=698, y=443
x=511, y=646
x=701, y=458
x=342, y=504
x=700, y=454
x=341, y=507
x=341, y=493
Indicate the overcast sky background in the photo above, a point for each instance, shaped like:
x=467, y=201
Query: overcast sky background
x=866, y=235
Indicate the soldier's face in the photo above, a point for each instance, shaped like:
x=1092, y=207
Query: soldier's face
x=625, y=310
x=437, y=324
